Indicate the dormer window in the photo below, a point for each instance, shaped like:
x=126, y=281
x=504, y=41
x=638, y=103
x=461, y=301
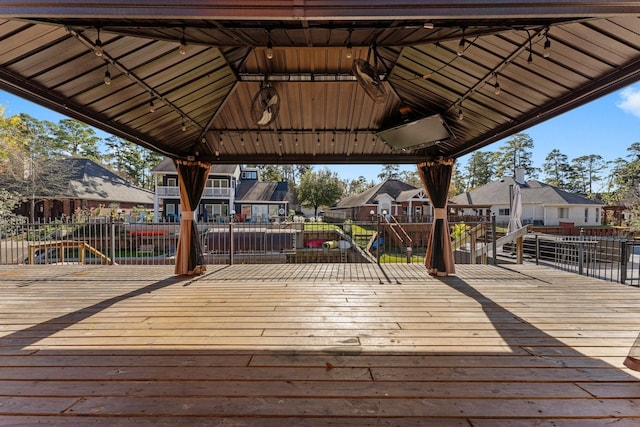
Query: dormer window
x=249, y=175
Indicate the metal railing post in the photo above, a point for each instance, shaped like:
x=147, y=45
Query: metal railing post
x=581, y=253
x=231, y=242
x=623, y=261
x=378, y=241
x=113, y=241
x=494, y=241
x=537, y=250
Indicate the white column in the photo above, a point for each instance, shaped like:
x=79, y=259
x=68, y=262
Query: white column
x=156, y=200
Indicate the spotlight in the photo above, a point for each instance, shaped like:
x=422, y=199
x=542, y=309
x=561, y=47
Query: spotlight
x=349, y=51
x=183, y=44
x=107, y=77
x=269, y=50
x=462, y=44
x=460, y=114
x=97, y=49
x=547, y=48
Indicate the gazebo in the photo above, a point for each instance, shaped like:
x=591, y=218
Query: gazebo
x=317, y=82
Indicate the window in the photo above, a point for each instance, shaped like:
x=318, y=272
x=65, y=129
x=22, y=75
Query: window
x=249, y=175
x=563, y=212
x=172, y=182
x=217, y=183
x=504, y=211
x=586, y=215
x=597, y=215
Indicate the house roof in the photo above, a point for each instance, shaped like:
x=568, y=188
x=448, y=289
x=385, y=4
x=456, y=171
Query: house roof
x=410, y=194
x=203, y=98
x=90, y=181
x=258, y=191
x=392, y=187
x=166, y=165
x=532, y=192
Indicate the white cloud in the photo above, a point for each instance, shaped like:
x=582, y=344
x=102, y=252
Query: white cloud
x=630, y=102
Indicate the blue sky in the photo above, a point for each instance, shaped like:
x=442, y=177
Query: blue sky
x=606, y=127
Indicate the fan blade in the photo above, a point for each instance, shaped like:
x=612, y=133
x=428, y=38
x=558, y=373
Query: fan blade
x=272, y=101
x=367, y=79
x=266, y=117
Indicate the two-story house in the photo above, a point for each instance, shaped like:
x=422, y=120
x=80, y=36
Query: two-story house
x=231, y=190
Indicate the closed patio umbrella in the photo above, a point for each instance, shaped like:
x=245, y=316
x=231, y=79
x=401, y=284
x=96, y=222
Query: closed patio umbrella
x=516, y=210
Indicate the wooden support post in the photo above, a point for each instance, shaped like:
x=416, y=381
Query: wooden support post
x=520, y=250
x=472, y=251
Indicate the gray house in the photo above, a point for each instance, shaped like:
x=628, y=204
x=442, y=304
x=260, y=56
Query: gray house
x=542, y=204
x=231, y=190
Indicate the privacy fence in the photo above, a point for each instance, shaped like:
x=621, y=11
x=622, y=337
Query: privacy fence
x=381, y=240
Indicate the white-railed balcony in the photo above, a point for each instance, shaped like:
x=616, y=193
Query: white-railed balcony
x=209, y=192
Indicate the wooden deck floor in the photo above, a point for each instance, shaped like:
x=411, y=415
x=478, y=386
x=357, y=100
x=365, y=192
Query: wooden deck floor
x=315, y=345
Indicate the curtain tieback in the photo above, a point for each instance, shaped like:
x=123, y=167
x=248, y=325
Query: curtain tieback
x=188, y=215
x=440, y=213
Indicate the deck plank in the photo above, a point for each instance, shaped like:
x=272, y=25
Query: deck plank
x=315, y=345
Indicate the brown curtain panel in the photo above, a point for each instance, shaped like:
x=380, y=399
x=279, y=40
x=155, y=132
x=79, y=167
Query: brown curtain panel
x=436, y=177
x=192, y=178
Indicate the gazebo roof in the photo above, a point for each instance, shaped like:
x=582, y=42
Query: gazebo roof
x=436, y=60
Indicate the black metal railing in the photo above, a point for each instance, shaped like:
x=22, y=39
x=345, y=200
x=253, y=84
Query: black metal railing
x=380, y=240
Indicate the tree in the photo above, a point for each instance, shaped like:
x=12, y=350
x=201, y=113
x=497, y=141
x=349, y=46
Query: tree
x=131, y=161
x=411, y=177
x=626, y=173
x=322, y=188
x=585, y=171
x=458, y=184
x=515, y=154
x=28, y=169
x=389, y=171
x=625, y=177
x=556, y=168
x=480, y=169
x=356, y=186
x=77, y=139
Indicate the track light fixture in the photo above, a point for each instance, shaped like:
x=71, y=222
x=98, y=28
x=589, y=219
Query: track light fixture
x=269, y=47
x=496, y=86
x=269, y=50
x=547, y=46
x=349, y=47
x=107, y=76
x=183, y=44
x=97, y=49
x=462, y=44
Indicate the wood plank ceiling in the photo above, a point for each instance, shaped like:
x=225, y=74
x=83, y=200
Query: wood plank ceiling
x=202, y=99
